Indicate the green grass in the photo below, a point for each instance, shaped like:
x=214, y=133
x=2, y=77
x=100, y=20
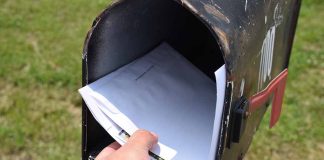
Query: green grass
x=300, y=132
x=40, y=111
x=40, y=49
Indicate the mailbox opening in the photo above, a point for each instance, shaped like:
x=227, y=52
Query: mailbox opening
x=130, y=29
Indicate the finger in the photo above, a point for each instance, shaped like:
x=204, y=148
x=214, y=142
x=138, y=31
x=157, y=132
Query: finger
x=108, y=150
x=143, y=140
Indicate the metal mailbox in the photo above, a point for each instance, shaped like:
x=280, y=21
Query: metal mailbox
x=252, y=38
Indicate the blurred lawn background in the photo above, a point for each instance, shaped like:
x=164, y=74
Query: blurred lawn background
x=40, y=71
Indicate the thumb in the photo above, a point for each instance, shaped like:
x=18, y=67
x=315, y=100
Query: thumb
x=142, y=140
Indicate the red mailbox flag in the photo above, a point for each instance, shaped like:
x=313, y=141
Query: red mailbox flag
x=275, y=87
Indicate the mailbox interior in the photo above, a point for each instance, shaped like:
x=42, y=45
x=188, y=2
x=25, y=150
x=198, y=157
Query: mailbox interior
x=128, y=30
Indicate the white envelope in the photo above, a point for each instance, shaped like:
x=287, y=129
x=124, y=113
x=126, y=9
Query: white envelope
x=164, y=93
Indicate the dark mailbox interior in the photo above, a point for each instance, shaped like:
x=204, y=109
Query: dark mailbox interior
x=129, y=30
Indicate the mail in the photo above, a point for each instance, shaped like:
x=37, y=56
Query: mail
x=161, y=92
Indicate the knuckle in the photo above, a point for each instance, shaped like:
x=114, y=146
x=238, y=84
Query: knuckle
x=142, y=133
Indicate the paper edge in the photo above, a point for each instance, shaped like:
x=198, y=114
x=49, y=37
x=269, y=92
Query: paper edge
x=220, y=76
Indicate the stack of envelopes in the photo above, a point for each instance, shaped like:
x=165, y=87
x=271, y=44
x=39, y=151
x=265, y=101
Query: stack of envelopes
x=160, y=92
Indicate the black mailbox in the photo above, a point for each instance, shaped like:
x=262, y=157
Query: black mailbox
x=253, y=39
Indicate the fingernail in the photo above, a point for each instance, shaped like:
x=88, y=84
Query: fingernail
x=155, y=135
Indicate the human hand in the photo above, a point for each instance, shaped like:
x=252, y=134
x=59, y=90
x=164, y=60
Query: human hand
x=136, y=148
